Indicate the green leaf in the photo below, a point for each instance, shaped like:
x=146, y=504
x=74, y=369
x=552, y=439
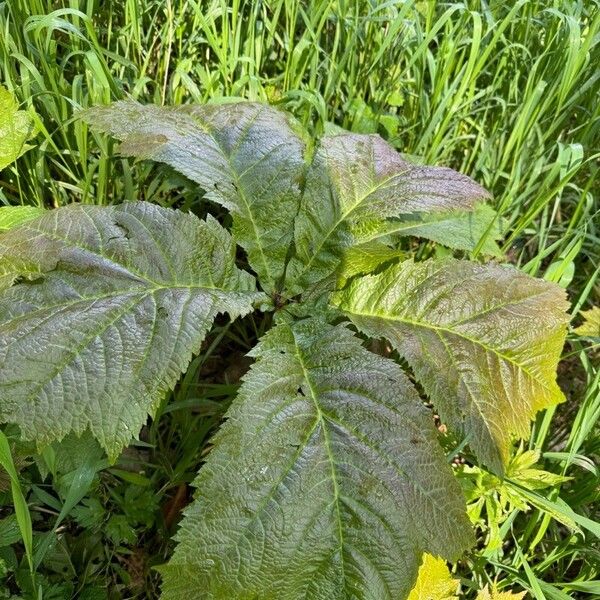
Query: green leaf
x=591, y=323
x=366, y=258
x=484, y=340
x=102, y=310
x=326, y=482
x=247, y=157
x=15, y=128
x=20, y=504
x=459, y=230
x=520, y=470
x=434, y=581
x=9, y=531
x=11, y=216
x=558, y=509
x=360, y=178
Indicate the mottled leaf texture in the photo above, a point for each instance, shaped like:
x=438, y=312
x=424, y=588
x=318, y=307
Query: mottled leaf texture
x=245, y=156
x=327, y=481
x=101, y=309
x=484, y=340
x=358, y=179
x=15, y=128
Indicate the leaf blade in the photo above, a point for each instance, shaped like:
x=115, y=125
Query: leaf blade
x=500, y=331
x=15, y=128
x=102, y=309
x=591, y=323
x=459, y=230
x=434, y=582
x=247, y=156
x=357, y=178
x=22, y=513
x=11, y=216
x=326, y=480
x=493, y=594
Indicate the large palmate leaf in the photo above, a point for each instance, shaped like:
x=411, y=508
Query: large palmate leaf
x=101, y=309
x=326, y=482
x=359, y=179
x=15, y=128
x=247, y=157
x=484, y=340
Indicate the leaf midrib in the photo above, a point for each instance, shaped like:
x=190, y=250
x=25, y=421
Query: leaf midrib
x=449, y=331
x=474, y=400
x=124, y=292
x=327, y=441
x=239, y=188
x=402, y=226
x=119, y=267
x=344, y=216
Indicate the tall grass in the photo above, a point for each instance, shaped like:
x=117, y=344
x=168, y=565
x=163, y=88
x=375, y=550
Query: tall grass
x=508, y=92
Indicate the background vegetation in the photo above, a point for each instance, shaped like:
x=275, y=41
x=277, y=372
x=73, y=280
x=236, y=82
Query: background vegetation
x=507, y=92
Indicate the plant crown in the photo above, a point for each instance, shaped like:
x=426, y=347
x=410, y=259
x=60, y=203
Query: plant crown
x=327, y=480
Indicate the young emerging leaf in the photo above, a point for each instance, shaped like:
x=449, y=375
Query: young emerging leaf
x=455, y=229
x=15, y=129
x=484, y=340
x=247, y=157
x=326, y=482
x=358, y=179
x=434, y=581
x=366, y=258
x=494, y=594
x=101, y=312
